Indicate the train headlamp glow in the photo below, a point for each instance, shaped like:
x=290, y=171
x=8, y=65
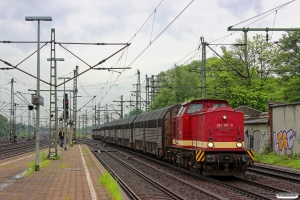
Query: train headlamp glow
x=239, y=144
x=224, y=117
x=210, y=144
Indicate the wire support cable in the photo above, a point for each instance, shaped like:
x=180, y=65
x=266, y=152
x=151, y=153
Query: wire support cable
x=160, y=33
x=287, y=50
x=86, y=43
x=8, y=42
x=24, y=71
x=228, y=63
x=278, y=7
x=99, y=63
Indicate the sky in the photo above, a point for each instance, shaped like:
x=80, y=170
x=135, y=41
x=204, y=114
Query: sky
x=161, y=33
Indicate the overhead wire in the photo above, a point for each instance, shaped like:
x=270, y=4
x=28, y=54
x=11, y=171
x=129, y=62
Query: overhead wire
x=276, y=8
x=274, y=23
x=160, y=33
x=226, y=36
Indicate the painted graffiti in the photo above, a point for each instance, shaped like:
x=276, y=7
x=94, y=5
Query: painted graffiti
x=259, y=140
x=284, y=140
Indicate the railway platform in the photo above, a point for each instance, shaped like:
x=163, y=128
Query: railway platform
x=75, y=176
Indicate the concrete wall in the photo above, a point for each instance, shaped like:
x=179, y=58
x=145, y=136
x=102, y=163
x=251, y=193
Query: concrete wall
x=260, y=134
x=286, y=128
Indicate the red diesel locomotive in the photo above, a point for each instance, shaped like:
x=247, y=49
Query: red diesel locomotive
x=208, y=135
x=204, y=135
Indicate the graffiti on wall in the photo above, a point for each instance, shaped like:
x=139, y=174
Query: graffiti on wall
x=284, y=140
x=259, y=140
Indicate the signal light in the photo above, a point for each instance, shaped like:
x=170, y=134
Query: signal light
x=66, y=102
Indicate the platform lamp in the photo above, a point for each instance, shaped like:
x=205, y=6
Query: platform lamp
x=65, y=113
x=37, y=138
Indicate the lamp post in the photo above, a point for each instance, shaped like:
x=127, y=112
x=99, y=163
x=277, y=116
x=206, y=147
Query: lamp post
x=65, y=113
x=55, y=106
x=37, y=141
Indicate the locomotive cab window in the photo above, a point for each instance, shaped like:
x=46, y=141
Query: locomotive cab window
x=195, y=108
x=219, y=105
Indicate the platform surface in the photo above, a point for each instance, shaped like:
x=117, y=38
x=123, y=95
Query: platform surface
x=75, y=176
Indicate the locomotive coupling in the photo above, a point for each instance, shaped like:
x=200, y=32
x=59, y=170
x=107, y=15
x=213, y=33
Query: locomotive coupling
x=246, y=158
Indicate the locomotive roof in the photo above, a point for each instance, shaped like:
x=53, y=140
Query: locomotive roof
x=203, y=100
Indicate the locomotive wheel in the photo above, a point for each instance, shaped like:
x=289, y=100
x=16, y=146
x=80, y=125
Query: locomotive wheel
x=188, y=162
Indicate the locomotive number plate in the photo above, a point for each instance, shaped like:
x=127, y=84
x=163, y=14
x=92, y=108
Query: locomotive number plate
x=226, y=125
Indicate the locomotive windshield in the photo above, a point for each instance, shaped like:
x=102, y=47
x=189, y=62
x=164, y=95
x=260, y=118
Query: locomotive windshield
x=195, y=108
x=219, y=105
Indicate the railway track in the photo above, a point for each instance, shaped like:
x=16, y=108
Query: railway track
x=223, y=189
x=276, y=173
x=11, y=150
x=135, y=183
x=267, y=191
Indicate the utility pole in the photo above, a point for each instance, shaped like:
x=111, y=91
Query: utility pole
x=98, y=114
x=29, y=125
x=203, y=71
x=85, y=121
x=22, y=125
x=34, y=124
x=12, y=113
x=245, y=30
x=71, y=121
x=79, y=124
x=152, y=96
x=147, y=94
x=75, y=93
x=138, y=93
x=53, y=126
x=82, y=124
x=122, y=108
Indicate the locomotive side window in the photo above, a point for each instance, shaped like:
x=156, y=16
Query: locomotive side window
x=195, y=108
x=219, y=105
x=181, y=111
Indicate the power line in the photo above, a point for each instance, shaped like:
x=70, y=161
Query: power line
x=279, y=7
x=160, y=33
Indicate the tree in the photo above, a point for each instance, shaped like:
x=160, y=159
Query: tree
x=3, y=125
x=228, y=78
x=289, y=69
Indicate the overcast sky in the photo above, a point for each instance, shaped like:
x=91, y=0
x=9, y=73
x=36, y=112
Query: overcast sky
x=120, y=21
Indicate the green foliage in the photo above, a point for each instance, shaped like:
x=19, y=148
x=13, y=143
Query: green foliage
x=44, y=163
x=283, y=160
x=111, y=186
x=261, y=81
x=4, y=126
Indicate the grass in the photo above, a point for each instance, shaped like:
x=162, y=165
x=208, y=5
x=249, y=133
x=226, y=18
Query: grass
x=111, y=186
x=64, y=166
x=44, y=163
x=273, y=158
x=8, y=166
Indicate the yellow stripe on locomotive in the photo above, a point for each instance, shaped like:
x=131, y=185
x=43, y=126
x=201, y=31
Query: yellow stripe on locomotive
x=200, y=155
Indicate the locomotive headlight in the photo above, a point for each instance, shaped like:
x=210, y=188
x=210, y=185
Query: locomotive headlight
x=224, y=117
x=210, y=144
x=239, y=144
